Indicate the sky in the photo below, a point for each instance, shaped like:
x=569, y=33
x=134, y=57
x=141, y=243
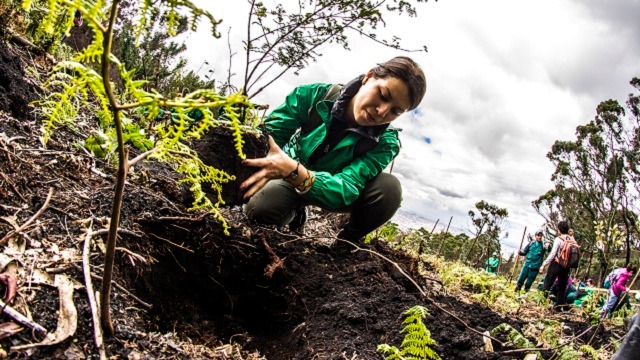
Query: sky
x=505, y=80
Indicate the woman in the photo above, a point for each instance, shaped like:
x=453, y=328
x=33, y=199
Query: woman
x=321, y=166
x=617, y=288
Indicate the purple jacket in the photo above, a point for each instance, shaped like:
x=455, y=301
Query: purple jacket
x=621, y=282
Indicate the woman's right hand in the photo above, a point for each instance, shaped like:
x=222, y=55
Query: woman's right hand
x=276, y=165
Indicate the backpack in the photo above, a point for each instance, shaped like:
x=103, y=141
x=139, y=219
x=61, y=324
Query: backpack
x=611, y=278
x=362, y=146
x=569, y=254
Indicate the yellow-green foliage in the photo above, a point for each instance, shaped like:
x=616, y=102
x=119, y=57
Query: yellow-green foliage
x=547, y=332
x=147, y=10
x=491, y=290
x=591, y=306
x=584, y=352
x=74, y=85
x=388, y=232
x=514, y=336
x=417, y=343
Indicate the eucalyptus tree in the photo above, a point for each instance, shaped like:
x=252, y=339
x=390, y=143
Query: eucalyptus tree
x=487, y=224
x=592, y=176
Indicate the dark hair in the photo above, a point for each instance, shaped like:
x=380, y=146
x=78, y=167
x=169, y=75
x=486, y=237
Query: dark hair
x=632, y=268
x=405, y=69
x=563, y=227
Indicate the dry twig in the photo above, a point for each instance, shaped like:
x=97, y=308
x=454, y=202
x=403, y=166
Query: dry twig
x=35, y=216
x=21, y=319
x=93, y=304
x=548, y=349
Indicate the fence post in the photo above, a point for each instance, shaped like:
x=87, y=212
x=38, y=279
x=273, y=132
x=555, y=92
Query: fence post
x=515, y=266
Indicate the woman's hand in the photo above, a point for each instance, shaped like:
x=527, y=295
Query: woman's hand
x=276, y=165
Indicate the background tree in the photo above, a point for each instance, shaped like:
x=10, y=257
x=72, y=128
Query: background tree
x=487, y=226
x=287, y=37
x=592, y=181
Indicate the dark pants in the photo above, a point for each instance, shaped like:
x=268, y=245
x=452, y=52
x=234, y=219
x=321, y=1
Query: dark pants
x=276, y=203
x=562, y=274
x=529, y=274
x=631, y=345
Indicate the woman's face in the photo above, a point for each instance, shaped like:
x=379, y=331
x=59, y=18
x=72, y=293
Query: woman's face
x=379, y=101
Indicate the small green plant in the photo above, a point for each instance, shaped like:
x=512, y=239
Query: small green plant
x=387, y=232
x=591, y=307
x=417, y=343
x=514, y=336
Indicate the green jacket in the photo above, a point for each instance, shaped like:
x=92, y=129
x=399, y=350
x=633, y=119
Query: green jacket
x=339, y=176
x=492, y=264
x=534, y=251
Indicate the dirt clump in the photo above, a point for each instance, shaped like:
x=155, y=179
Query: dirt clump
x=16, y=92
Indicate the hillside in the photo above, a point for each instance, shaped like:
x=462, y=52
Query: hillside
x=185, y=290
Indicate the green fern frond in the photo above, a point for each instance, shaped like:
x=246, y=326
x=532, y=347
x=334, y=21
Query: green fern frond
x=569, y=353
x=175, y=8
x=391, y=352
x=196, y=174
x=93, y=52
x=514, y=336
x=417, y=341
x=588, y=350
x=61, y=107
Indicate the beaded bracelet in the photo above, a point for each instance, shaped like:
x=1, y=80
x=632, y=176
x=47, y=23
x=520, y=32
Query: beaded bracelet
x=305, y=186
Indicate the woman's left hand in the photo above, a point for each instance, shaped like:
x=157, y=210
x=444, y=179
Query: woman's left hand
x=276, y=165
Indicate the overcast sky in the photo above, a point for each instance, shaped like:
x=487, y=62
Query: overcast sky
x=505, y=79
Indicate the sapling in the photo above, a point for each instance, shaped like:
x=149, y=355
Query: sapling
x=77, y=83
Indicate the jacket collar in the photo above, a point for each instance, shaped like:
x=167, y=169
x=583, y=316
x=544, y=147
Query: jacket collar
x=339, y=110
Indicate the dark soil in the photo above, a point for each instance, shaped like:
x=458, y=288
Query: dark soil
x=216, y=148
x=205, y=289
x=16, y=92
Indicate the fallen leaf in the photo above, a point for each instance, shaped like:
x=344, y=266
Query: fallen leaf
x=9, y=328
x=67, y=315
x=11, y=286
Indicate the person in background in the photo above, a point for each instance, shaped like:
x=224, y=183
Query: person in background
x=590, y=283
x=556, y=271
x=617, y=289
x=534, y=252
x=318, y=163
x=492, y=263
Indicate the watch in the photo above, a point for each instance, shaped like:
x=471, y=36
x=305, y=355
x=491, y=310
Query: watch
x=294, y=174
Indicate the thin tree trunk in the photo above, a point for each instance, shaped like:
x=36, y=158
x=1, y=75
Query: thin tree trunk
x=446, y=231
x=123, y=167
x=518, y=255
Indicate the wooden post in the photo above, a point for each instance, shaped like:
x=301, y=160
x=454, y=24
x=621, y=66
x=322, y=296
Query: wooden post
x=518, y=254
x=446, y=231
x=449, y=224
x=434, y=226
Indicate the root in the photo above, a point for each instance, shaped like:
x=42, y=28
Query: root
x=93, y=304
x=35, y=216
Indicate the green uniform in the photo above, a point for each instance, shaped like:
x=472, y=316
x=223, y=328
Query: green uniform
x=349, y=177
x=534, y=251
x=492, y=265
x=339, y=177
